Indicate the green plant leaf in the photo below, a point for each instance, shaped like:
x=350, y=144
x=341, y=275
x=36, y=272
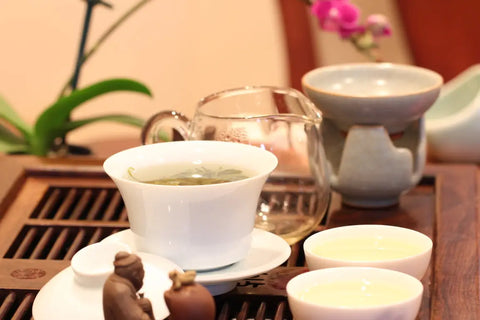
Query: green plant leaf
x=53, y=121
x=9, y=142
x=8, y=114
x=121, y=118
x=13, y=148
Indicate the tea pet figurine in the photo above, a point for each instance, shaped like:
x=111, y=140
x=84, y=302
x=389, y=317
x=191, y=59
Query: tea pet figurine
x=188, y=300
x=120, y=298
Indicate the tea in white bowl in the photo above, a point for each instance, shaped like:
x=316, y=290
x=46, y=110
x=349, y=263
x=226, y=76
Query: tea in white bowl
x=354, y=293
x=201, y=226
x=367, y=248
x=370, y=245
x=189, y=174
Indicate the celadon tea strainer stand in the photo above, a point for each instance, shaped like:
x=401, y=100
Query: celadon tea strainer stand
x=373, y=127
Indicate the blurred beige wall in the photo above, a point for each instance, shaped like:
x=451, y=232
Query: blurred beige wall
x=182, y=49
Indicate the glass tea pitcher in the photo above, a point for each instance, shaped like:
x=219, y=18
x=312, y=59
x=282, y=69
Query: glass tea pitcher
x=296, y=196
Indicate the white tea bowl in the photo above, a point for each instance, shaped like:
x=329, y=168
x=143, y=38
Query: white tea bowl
x=198, y=227
x=380, y=246
x=354, y=293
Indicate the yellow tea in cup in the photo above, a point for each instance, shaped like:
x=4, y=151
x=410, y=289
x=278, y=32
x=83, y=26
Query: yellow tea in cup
x=355, y=293
x=366, y=248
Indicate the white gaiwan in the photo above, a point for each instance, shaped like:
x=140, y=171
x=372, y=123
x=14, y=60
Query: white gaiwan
x=452, y=123
x=373, y=127
x=199, y=227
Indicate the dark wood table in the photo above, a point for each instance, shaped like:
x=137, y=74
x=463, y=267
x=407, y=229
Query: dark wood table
x=49, y=209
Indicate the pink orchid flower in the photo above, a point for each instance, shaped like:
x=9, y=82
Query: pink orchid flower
x=342, y=17
x=338, y=16
x=378, y=25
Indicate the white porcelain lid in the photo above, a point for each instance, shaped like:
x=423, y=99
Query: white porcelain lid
x=63, y=297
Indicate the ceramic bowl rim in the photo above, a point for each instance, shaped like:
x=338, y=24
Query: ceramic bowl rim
x=108, y=164
x=307, y=77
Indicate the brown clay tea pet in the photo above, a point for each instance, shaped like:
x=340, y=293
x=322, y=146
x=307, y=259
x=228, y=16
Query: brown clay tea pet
x=120, y=298
x=188, y=300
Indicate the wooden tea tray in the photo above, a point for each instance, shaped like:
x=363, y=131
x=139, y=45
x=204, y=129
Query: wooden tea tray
x=49, y=209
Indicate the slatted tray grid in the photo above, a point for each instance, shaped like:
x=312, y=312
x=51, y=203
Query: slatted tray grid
x=67, y=214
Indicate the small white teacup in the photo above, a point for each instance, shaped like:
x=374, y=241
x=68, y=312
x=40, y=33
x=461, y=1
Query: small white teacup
x=354, y=293
x=370, y=245
x=198, y=227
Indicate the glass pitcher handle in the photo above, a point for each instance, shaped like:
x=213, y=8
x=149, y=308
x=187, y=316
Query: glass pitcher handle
x=167, y=125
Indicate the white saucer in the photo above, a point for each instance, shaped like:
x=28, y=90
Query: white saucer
x=65, y=298
x=268, y=251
